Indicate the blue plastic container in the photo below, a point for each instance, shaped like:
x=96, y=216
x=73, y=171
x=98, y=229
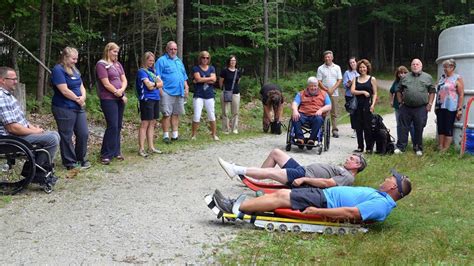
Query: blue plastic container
x=470, y=141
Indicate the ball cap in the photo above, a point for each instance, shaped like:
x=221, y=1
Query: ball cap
x=399, y=177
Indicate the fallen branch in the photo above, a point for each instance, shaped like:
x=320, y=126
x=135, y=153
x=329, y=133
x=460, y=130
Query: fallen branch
x=26, y=50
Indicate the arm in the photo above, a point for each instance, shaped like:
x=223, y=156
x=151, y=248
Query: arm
x=343, y=213
x=221, y=82
x=331, y=90
x=430, y=101
x=186, y=89
x=315, y=182
x=322, y=87
x=197, y=77
x=19, y=130
x=460, y=90
x=374, y=95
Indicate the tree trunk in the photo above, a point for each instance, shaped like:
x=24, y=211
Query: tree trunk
x=179, y=26
x=353, y=32
x=199, y=25
x=142, y=27
x=50, y=43
x=277, y=56
x=42, y=49
x=267, y=52
x=15, y=50
x=88, y=49
x=393, y=47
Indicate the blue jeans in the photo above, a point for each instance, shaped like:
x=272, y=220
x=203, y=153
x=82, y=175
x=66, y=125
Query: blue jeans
x=314, y=121
x=113, y=112
x=399, y=126
x=72, y=121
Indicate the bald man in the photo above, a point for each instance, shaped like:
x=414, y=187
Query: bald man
x=415, y=94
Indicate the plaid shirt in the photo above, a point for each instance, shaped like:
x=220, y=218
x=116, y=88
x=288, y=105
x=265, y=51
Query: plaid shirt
x=10, y=111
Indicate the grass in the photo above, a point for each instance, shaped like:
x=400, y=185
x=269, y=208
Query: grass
x=430, y=226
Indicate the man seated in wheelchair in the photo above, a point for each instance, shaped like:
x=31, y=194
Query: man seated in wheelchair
x=308, y=108
x=13, y=123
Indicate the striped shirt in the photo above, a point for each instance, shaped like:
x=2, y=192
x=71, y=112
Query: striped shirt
x=10, y=111
x=329, y=76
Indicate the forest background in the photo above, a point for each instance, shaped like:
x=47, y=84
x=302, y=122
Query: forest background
x=271, y=39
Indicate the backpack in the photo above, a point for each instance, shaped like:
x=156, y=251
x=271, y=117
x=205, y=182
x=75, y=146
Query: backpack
x=385, y=143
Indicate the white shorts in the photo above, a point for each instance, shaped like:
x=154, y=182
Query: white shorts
x=198, y=103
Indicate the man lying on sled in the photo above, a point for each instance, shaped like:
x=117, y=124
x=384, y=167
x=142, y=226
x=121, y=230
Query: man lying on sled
x=341, y=202
x=292, y=174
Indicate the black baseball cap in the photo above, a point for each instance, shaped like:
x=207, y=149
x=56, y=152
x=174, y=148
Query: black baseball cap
x=399, y=177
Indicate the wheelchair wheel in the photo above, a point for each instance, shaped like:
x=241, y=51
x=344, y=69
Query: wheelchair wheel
x=288, y=136
x=17, y=165
x=326, y=133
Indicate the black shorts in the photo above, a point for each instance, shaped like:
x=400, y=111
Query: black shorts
x=302, y=198
x=445, y=122
x=149, y=110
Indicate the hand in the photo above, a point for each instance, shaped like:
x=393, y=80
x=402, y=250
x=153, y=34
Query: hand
x=366, y=94
x=311, y=210
x=372, y=108
x=124, y=99
x=295, y=116
x=298, y=182
x=458, y=115
x=319, y=112
x=428, y=107
x=186, y=92
x=35, y=130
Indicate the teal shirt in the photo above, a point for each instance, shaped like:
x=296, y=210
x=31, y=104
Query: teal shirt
x=415, y=89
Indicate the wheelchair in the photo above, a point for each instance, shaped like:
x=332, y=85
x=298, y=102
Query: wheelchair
x=19, y=167
x=323, y=136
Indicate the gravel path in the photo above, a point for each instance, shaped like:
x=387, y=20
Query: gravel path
x=152, y=212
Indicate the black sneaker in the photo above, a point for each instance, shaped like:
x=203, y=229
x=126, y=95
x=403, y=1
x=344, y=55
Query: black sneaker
x=85, y=165
x=175, y=139
x=222, y=203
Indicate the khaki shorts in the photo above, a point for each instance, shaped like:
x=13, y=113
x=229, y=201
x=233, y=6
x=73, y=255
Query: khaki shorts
x=171, y=105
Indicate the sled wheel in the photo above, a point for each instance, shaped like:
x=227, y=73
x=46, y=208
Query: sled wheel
x=283, y=228
x=327, y=133
x=288, y=147
x=270, y=227
x=259, y=193
x=296, y=229
x=354, y=231
x=341, y=231
x=328, y=231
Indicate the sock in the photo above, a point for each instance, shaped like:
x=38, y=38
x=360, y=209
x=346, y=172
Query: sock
x=174, y=134
x=240, y=170
x=236, y=206
x=166, y=135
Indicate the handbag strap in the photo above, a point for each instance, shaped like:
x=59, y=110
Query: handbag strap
x=233, y=81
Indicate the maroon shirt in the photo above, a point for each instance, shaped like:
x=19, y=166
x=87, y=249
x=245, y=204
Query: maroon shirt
x=113, y=73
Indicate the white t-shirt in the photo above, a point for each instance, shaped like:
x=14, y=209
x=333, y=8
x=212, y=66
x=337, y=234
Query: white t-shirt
x=329, y=76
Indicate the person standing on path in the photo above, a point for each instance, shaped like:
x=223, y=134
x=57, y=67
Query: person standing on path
x=175, y=89
x=229, y=81
x=330, y=77
x=399, y=74
x=68, y=108
x=347, y=78
x=416, y=95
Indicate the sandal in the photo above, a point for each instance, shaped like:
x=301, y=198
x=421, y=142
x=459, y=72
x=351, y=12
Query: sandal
x=120, y=157
x=155, y=150
x=142, y=153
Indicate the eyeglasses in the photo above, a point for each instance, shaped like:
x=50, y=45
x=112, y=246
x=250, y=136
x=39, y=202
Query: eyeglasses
x=11, y=78
x=173, y=49
x=205, y=57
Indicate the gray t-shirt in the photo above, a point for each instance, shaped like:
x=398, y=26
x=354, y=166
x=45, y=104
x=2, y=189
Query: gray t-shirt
x=341, y=176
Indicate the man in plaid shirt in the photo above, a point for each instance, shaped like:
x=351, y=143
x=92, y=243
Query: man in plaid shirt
x=13, y=121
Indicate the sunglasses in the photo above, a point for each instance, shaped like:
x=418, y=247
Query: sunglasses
x=205, y=57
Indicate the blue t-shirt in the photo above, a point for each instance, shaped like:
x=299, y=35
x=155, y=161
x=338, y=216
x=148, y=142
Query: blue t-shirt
x=297, y=100
x=73, y=83
x=373, y=205
x=173, y=74
x=143, y=92
x=348, y=75
x=204, y=90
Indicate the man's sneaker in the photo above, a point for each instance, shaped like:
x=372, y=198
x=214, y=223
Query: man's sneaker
x=419, y=153
x=166, y=140
x=397, y=151
x=228, y=168
x=174, y=139
x=73, y=166
x=354, y=134
x=335, y=134
x=85, y=165
x=223, y=203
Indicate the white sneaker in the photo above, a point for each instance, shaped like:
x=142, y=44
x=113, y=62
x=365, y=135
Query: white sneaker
x=419, y=153
x=397, y=151
x=193, y=138
x=235, y=131
x=354, y=134
x=215, y=137
x=228, y=168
